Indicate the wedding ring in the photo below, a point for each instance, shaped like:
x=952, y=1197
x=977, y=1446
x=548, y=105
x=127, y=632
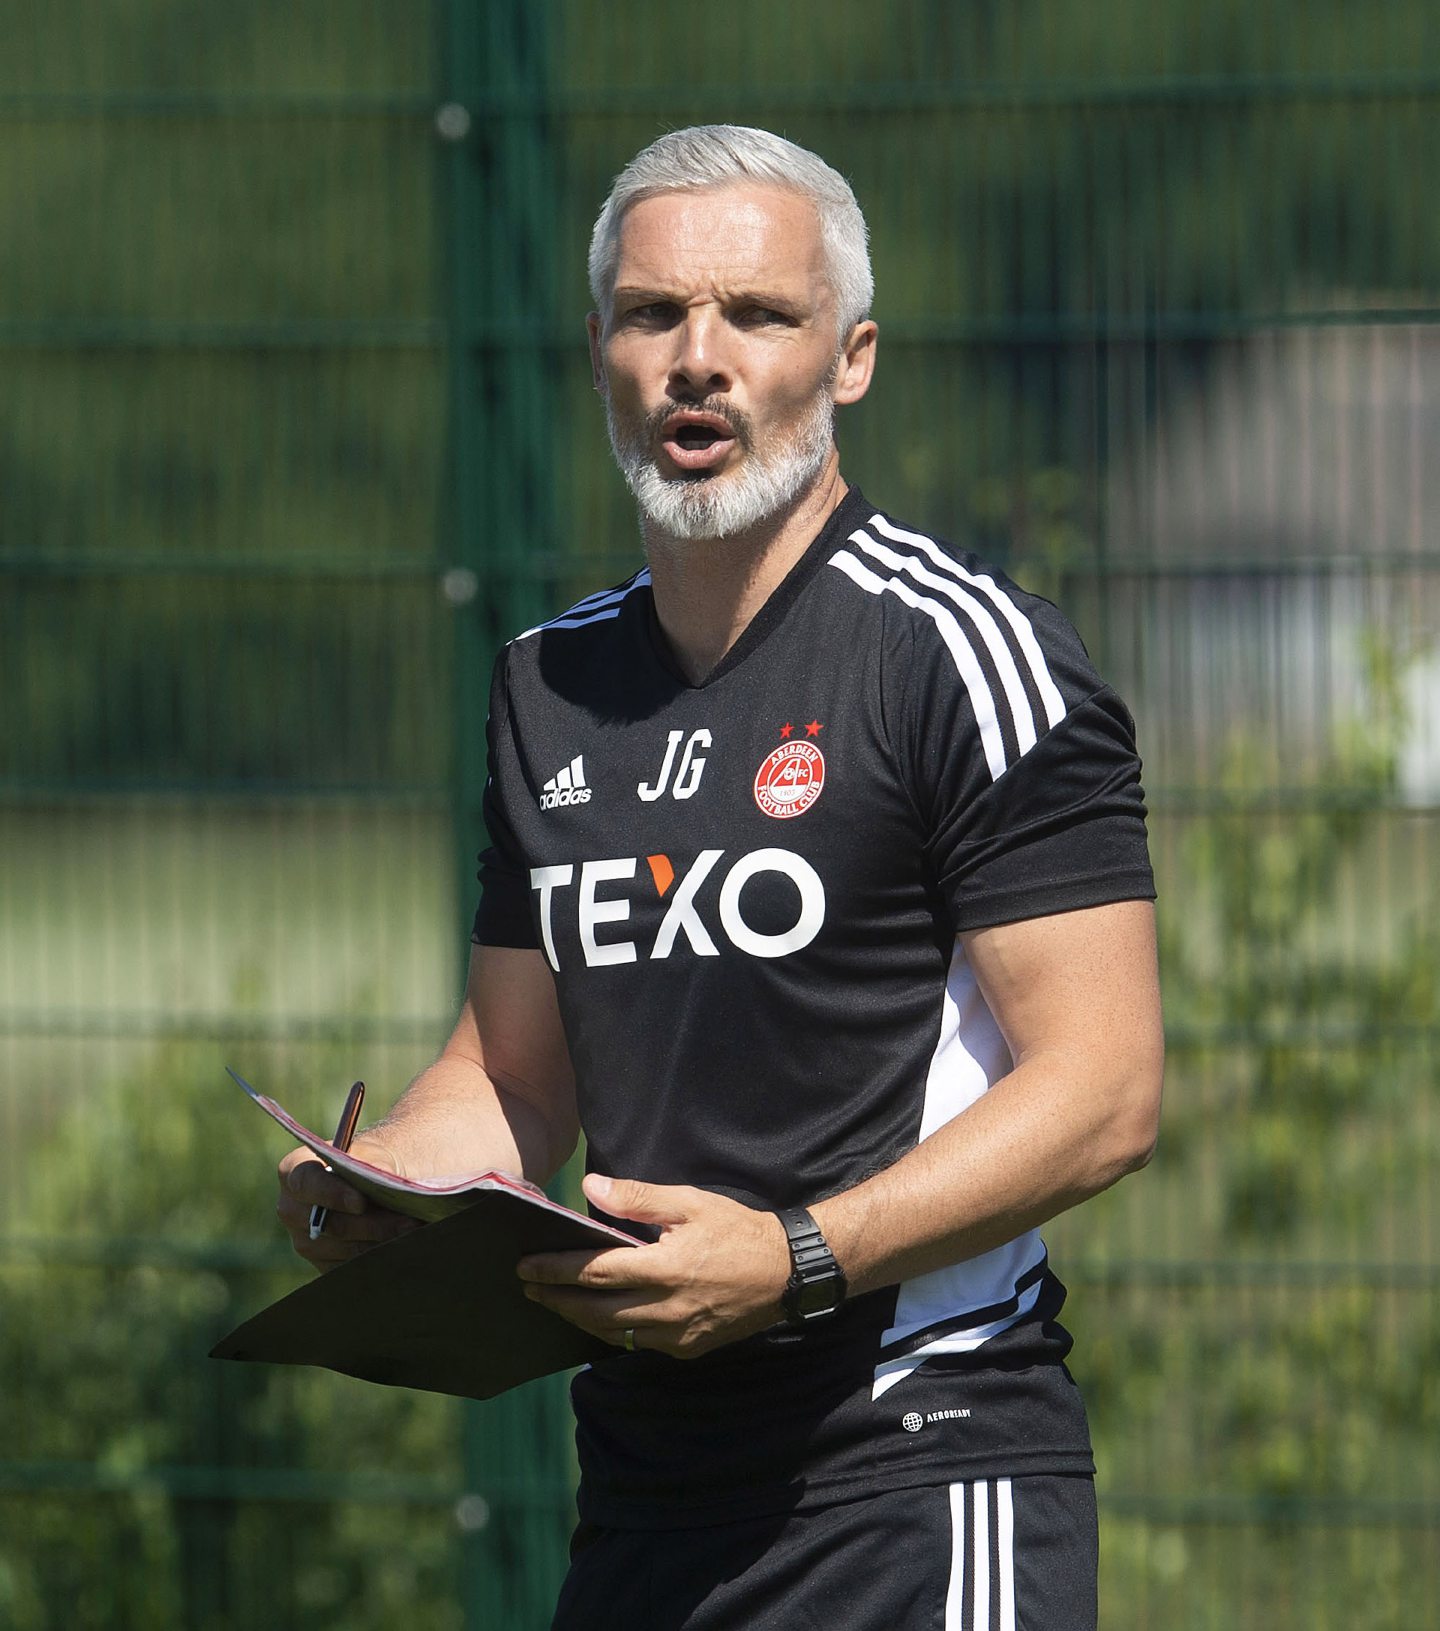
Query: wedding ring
x=629, y=1339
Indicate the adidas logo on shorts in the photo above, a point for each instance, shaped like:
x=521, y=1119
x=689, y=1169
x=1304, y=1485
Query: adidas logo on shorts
x=566, y=786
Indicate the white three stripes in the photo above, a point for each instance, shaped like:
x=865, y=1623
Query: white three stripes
x=1025, y=635
x=960, y=649
x=974, y=1583
x=982, y=601
x=985, y=624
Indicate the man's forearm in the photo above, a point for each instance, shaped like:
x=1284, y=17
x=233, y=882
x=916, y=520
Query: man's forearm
x=1077, y=999
x=1039, y=1142
x=501, y=1096
x=454, y=1119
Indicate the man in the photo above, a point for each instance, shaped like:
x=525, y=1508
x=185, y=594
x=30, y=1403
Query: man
x=817, y=880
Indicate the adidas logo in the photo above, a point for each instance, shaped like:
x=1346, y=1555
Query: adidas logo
x=566, y=786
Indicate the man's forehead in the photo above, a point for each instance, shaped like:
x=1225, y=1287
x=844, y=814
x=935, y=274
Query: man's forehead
x=746, y=231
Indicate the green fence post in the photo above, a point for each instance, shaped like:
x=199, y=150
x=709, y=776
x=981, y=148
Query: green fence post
x=498, y=194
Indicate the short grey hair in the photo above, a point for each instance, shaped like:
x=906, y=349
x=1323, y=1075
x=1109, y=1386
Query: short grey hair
x=724, y=155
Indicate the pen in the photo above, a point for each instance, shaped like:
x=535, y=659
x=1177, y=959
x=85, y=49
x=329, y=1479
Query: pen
x=349, y=1120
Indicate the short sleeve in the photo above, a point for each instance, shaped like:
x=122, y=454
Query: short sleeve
x=1024, y=774
x=1062, y=828
x=503, y=916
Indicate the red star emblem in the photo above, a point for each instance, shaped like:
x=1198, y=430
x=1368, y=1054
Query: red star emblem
x=786, y=731
x=814, y=728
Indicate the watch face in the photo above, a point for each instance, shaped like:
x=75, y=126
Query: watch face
x=816, y=1295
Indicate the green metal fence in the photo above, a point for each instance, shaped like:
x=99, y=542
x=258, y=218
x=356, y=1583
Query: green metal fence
x=297, y=425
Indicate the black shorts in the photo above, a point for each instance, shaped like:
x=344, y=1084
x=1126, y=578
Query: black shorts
x=997, y=1554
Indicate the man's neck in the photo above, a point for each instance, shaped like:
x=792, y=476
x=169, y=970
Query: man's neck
x=707, y=590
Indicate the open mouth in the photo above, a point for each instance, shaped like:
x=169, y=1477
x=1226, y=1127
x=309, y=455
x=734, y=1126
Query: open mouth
x=691, y=437
x=697, y=441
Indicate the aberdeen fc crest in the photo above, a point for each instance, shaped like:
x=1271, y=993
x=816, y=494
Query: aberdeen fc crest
x=790, y=780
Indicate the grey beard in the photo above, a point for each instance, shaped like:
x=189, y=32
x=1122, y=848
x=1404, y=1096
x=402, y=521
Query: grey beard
x=721, y=506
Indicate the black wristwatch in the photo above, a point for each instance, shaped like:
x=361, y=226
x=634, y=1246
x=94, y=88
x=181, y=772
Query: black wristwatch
x=816, y=1286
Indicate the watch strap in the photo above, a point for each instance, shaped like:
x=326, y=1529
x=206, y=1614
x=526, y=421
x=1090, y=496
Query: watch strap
x=816, y=1287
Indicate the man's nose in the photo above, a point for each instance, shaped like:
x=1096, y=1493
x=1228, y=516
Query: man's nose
x=699, y=366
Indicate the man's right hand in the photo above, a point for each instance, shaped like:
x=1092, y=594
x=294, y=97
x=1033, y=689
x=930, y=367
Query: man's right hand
x=353, y=1223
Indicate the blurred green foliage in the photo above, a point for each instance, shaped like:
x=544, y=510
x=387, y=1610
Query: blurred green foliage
x=193, y=1514
x=1335, y=1042
x=1286, y=1363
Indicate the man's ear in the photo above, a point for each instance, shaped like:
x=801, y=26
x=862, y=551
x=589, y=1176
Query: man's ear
x=857, y=363
x=597, y=367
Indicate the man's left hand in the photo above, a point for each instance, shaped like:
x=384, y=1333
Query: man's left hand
x=715, y=1274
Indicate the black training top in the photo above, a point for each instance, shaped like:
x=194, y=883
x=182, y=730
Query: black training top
x=750, y=891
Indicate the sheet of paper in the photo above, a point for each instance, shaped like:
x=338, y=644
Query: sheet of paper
x=428, y=1199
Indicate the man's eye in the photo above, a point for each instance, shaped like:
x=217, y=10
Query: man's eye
x=655, y=311
x=760, y=316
